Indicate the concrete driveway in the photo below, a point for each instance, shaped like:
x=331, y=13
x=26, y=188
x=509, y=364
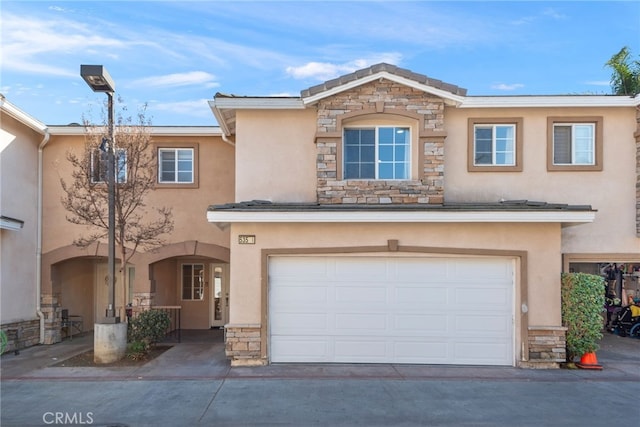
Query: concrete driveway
x=193, y=384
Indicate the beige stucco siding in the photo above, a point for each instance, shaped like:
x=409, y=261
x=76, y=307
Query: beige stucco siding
x=541, y=242
x=189, y=205
x=18, y=199
x=610, y=191
x=276, y=155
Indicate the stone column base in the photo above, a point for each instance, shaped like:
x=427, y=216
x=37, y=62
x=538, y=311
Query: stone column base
x=547, y=347
x=243, y=345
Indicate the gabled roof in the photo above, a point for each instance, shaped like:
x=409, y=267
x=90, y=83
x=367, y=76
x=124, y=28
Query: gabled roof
x=448, y=91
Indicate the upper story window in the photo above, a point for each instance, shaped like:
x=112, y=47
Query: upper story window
x=382, y=152
x=495, y=145
x=176, y=165
x=574, y=143
x=99, y=163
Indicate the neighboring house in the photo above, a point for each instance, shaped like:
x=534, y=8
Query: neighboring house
x=385, y=216
x=21, y=136
x=43, y=272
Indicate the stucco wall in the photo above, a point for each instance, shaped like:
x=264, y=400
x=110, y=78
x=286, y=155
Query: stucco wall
x=610, y=191
x=18, y=199
x=276, y=155
x=540, y=241
x=215, y=186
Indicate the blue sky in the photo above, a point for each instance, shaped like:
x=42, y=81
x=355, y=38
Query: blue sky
x=175, y=56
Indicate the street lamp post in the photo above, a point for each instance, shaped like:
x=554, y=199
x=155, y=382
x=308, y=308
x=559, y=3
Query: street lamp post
x=99, y=80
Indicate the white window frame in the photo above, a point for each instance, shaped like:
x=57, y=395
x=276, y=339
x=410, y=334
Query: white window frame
x=175, y=170
x=574, y=151
x=98, y=177
x=377, y=161
x=196, y=285
x=494, y=138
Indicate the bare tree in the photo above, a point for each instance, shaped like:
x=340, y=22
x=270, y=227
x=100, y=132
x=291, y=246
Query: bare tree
x=85, y=197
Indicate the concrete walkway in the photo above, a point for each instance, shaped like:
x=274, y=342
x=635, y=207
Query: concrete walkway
x=193, y=384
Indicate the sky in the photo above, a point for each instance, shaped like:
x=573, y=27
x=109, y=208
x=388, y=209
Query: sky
x=174, y=56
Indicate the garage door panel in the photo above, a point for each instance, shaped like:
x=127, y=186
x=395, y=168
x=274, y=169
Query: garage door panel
x=391, y=310
x=365, y=322
x=365, y=270
x=312, y=267
x=374, y=350
x=360, y=295
x=483, y=298
x=287, y=295
x=424, y=272
x=421, y=324
x=417, y=295
x=480, y=270
x=301, y=348
x=488, y=326
x=481, y=353
x=290, y=323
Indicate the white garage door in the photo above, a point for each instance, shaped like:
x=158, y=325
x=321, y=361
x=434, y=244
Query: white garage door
x=391, y=310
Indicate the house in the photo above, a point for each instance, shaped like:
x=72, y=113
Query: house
x=21, y=140
x=388, y=217
x=380, y=217
x=189, y=271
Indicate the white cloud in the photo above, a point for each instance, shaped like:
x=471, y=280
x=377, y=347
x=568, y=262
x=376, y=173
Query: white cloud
x=39, y=46
x=325, y=70
x=198, y=107
x=598, y=83
x=507, y=86
x=199, y=78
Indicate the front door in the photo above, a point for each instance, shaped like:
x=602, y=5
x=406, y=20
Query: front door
x=219, y=296
x=102, y=292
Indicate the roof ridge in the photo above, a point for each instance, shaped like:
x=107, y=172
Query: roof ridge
x=379, y=68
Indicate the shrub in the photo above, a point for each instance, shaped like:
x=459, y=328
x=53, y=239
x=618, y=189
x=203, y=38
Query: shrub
x=149, y=327
x=137, y=350
x=582, y=305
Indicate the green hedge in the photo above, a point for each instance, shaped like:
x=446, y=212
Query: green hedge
x=582, y=305
x=149, y=327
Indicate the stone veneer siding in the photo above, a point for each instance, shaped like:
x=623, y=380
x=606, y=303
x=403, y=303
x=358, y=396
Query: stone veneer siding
x=384, y=97
x=52, y=318
x=547, y=347
x=21, y=334
x=243, y=345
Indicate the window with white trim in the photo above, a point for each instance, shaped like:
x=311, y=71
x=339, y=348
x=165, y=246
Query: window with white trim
x=176, y=165
x=99, y=164
x=193, y=282
x=494, y=144
x=382, y=152
x=574, y=144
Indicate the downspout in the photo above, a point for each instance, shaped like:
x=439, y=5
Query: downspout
x=39, y=312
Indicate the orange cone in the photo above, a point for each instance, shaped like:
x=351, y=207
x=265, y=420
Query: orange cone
x=589, y=361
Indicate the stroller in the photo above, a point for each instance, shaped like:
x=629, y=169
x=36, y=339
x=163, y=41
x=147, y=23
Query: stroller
x=625, y=324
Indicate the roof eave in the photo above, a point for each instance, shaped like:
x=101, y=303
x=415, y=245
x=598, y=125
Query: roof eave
x=549, y=101
x=439, y=216
x=73, y=130
x=24, y=118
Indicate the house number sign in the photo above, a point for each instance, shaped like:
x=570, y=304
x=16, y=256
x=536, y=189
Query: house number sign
x=247, y=239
